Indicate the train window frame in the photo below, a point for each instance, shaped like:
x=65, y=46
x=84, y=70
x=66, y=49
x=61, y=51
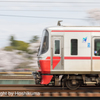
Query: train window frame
x=76, y=53
x=95, y=47
x=59, y=46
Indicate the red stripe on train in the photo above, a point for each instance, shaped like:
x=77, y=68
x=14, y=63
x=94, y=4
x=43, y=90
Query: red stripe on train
x=53, y=57
x=77, y=57
x=75, y=31
x=83, y=58
x=95, y=57
x=70, y=58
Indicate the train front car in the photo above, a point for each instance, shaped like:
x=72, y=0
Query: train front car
x=43, y=76
x=69, y=56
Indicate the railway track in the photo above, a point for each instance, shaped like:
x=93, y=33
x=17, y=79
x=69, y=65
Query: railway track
x=48, y=91
x=31, y=90
x=17, y=77
x=21, y=73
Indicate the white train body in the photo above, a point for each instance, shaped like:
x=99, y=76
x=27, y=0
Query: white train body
x=70, y=51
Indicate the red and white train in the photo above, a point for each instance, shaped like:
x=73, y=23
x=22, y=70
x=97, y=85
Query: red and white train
x=69, y=56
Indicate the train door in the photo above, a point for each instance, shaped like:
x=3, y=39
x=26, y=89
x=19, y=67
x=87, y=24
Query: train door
x=96, y=54
x=57, y=53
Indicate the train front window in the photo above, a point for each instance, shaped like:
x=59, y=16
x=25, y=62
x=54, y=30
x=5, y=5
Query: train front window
x=45, y=42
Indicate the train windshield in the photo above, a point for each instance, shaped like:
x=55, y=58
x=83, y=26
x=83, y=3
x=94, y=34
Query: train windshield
x=44, y=43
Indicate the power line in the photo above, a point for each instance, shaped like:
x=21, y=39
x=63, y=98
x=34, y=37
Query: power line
x=51, y=2
x=54, y=6
x=42, y=17
x=47, y=10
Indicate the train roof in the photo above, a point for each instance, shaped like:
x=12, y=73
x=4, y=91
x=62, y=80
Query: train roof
x=74, y=28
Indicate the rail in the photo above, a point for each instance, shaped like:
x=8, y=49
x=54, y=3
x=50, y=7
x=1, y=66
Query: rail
x=26, y=73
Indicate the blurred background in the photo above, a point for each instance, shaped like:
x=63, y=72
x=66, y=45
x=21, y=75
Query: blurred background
x=22, y=23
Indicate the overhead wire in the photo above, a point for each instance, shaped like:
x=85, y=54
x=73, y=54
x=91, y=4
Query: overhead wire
x=50, y=2
x=43, y=17
x=52, y=6
x=47, y=10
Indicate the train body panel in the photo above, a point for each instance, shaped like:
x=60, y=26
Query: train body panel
x=84, y=59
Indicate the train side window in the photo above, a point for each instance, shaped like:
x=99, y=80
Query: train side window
x=74, y=46
x=57, y=46
x=97, y=47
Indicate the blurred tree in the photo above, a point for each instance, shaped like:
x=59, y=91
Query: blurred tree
x=17, y=45
x=94, y=16
x=12, y=39
x=34, y=39
x=8, y=48
x=20, y=45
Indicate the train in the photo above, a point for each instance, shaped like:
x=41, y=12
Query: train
x=69, y=56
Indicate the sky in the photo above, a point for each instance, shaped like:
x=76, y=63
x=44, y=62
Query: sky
x=26, y=18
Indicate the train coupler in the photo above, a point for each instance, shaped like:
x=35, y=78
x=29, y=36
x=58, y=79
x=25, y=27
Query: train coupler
x=37, y=77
